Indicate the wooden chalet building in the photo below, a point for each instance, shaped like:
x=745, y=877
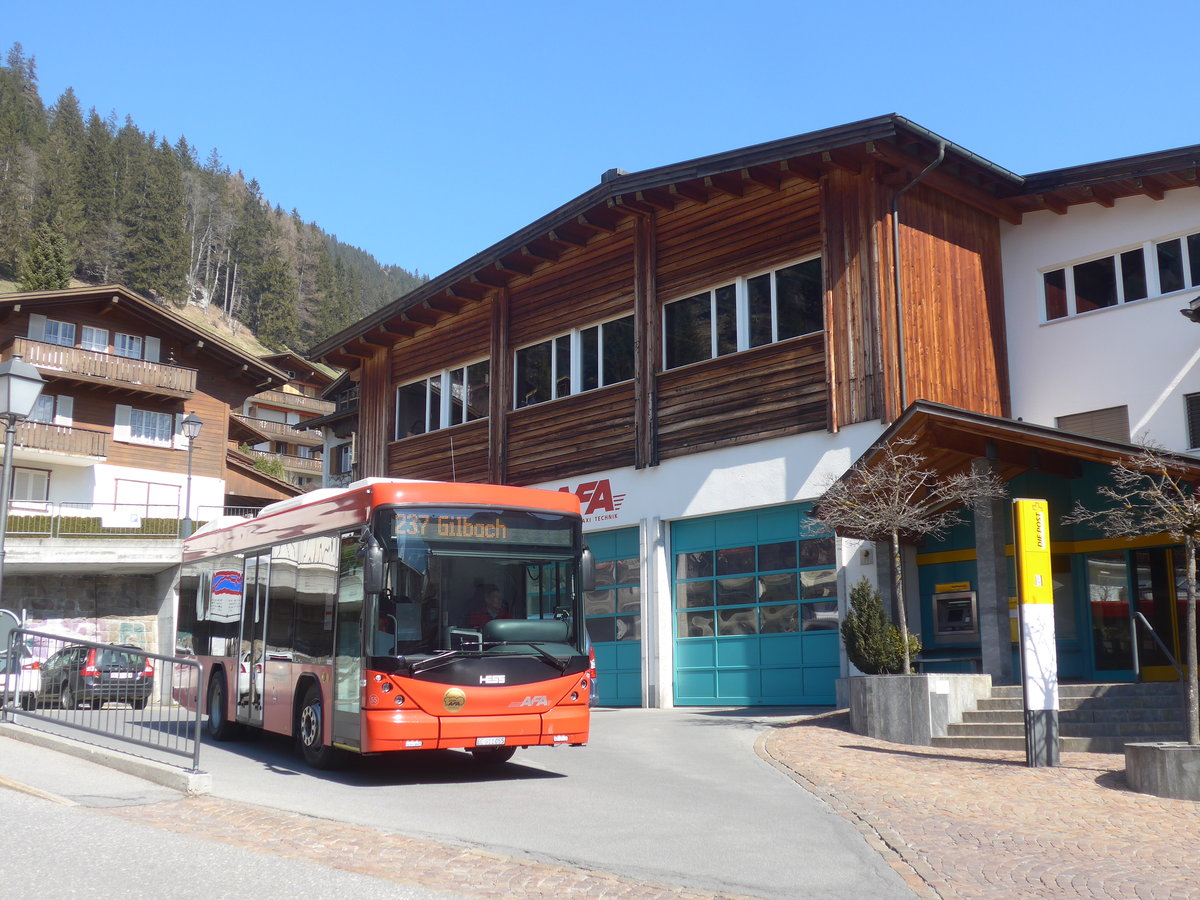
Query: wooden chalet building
x=694, y=350
x=100, y=469
x=280, y=417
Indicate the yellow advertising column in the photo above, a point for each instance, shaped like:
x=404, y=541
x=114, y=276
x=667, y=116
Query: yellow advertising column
x=1039, y=652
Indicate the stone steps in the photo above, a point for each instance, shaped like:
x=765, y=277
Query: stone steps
x=1097, y=718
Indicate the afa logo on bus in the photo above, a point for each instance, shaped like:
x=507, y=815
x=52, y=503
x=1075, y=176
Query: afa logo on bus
x=596, y=498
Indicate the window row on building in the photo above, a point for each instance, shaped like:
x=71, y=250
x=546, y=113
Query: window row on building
x=1150, y=270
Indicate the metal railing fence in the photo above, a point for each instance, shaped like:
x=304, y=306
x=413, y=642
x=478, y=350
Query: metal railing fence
x=42, y=519
x=63, y=684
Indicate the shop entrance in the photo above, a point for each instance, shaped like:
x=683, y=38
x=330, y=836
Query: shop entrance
x=1156, y=579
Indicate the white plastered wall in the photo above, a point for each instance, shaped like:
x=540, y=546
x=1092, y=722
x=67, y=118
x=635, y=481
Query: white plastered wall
x=1143, y=355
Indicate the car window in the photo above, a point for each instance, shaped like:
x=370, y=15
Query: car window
x=116, y=658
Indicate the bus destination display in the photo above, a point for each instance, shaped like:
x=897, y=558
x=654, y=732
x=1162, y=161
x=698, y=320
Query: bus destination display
x=483, y=528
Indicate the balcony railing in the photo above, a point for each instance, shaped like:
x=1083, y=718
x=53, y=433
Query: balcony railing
x=295, y=463
x=60, y=439
x=36, y=519
x=307, y=437
x=104, y=368
x=288, y=400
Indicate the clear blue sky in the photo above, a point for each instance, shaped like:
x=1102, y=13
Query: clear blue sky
x=425, y=132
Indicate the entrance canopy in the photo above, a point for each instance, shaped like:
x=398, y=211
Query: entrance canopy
x=949, y=439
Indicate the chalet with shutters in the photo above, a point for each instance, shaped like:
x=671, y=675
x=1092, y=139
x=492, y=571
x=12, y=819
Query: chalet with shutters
x=695, y=350
x=101, y=482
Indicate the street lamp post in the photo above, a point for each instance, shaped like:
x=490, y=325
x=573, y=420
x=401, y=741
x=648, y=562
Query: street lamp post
x=191, y=429
x=20, y=387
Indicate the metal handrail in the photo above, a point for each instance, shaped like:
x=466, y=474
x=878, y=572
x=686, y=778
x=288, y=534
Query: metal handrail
x=1137, y=666
x=172, y=727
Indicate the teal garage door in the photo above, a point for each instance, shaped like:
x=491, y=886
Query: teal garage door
x=756, y=620
x=614, y=616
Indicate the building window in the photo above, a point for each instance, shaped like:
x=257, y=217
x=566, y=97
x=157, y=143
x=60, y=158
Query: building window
x=62, y=333
x=127, y=345
x=1192, y=407
x=581, y=360
x=767, y=588
x=150, y=427
x=30, y=484
x=94, y=339
x=749, y=312
x=52, y=410
x=451, y=397
x=1153, y=269
x=1111, y=424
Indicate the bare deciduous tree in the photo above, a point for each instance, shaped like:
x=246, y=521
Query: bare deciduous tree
x=1151, y=494
x=897, y=497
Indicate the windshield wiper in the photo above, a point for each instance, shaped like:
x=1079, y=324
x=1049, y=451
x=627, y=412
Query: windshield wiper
x=434, y=662
x=560, y=664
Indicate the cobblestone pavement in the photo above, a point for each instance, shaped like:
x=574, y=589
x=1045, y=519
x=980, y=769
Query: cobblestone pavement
x=955, y=824
x=454, y=869
x=981, y=824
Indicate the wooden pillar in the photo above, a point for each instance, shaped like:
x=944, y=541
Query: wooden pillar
x=647, y=342
x=500, y=401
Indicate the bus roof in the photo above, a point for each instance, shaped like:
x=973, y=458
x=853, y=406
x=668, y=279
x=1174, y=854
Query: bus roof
x=328, y=509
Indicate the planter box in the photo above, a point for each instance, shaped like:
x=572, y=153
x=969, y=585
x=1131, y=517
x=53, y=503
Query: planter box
x=1164, y=769
x=912, y=709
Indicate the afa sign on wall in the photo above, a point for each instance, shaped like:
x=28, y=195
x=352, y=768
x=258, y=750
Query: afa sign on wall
x=597, y=500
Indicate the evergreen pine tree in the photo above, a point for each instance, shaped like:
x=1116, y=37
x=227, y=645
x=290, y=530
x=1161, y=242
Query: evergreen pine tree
x=99, y=240
x=46, y=265
x=156, y=249
x=272, y=295
x=61, y=172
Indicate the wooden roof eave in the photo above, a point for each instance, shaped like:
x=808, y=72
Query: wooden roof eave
x=950, y=438
x=591, y=212
x=260, y=373
x=235, y=459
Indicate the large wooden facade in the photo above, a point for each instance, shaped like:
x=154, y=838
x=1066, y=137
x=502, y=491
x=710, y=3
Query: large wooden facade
x=637, y=242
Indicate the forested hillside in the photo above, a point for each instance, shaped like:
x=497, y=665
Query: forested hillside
x=85, y=196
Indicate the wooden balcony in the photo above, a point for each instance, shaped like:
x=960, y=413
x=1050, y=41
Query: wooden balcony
x=61, y=439
x=304, y=464
x=288, y=400
x=104, y=369
x=286, y=434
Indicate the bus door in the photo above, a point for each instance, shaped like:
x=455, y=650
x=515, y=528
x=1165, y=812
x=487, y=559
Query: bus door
x=250, y=652
x=346, y=721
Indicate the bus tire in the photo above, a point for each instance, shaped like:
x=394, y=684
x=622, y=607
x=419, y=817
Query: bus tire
x=310, y=731
x=493, y=756
x=218, y=726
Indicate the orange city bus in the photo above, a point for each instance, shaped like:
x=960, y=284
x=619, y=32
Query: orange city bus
x=394, y=615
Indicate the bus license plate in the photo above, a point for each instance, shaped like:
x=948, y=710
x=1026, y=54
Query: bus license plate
x=489, y=742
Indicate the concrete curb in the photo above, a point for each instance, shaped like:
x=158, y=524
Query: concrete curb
x=190, y=783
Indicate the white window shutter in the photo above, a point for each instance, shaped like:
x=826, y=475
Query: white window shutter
x=151, y=345
x=37, y=327
x=181, y=441
x=121, y=423
x=64, y=410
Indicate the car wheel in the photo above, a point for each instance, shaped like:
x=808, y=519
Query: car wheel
x=139, y=702
x=494, y=756
x=311, y=731
x=29, y=701
x=67, y=698
x=218, y=726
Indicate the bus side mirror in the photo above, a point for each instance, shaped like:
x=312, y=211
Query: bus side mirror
x=587, y=574
x=373, y=571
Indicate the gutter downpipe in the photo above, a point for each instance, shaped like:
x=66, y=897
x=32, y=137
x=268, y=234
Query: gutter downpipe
x=896, y=269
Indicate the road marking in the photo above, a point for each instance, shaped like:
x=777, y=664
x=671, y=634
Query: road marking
x=35, y=792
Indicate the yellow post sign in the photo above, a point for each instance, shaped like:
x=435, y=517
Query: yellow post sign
x=1039, y=651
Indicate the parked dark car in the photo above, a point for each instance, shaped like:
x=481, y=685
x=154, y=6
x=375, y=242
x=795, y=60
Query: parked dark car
x=88, y=676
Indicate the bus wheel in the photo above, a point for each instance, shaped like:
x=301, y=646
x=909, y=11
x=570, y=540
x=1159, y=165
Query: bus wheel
x=218, y=726
x=311, y=731
x=494, y=756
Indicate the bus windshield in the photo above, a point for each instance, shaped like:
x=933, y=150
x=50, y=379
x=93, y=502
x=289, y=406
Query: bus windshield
x=451, y=571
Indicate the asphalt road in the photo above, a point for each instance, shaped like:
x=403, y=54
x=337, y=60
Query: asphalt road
x=672, y=796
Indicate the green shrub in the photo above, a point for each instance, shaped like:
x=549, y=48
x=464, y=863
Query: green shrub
x=874, y=644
